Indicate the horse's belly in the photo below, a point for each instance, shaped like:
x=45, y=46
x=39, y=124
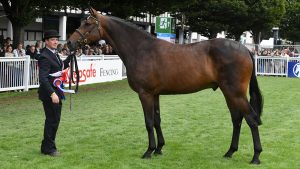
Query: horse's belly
x=184, y=88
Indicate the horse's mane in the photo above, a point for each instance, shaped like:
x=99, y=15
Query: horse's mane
x=131, y=25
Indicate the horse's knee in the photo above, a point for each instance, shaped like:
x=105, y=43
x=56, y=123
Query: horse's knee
x=149, y=127
x=236, y=122
x=252, y=123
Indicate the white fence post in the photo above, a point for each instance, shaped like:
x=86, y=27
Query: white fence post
x=287, y=66
x=255, y=57
x=26, y=73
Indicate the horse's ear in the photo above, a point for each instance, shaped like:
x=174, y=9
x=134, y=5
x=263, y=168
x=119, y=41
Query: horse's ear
x=92, y=11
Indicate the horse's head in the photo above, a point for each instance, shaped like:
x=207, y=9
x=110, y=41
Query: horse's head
x=89, y=31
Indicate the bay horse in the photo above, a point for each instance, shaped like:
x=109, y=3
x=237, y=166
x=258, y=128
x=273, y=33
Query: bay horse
x=156, y=67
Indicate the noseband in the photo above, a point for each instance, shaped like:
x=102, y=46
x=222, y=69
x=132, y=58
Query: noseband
x=83, y=39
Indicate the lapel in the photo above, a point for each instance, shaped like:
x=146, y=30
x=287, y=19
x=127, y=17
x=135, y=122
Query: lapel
x=54, y=58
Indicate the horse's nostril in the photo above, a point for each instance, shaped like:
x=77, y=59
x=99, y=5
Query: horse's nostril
x=69, y=43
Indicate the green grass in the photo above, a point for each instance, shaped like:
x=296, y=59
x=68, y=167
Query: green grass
x=106, y=129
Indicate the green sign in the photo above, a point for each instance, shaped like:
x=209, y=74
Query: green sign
x=165, y=25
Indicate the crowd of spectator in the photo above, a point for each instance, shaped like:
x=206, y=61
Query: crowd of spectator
x=278, y=52
x=7, y=49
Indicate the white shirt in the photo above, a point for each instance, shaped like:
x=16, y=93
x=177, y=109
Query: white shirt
x=19, y=52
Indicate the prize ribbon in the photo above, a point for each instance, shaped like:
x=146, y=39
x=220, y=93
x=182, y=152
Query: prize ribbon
x=59, y=82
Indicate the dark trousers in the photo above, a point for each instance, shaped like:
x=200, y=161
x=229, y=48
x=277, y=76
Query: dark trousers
x=52, y=113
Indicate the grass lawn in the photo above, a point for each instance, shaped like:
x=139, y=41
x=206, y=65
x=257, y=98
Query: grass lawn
x=106, y=129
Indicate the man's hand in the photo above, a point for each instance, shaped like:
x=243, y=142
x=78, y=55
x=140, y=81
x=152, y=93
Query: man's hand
x=54, y=98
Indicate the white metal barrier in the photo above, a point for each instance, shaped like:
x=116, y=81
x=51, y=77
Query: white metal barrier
x=21, y=73
x=17, y=73
x=273, y=66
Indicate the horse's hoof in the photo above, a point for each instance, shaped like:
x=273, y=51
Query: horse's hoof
x=255, y=161
x=146, y=156
x=158, y=152
x=228, y=155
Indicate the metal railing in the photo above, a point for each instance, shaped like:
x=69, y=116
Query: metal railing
x=18, y=73
x=273, y=66
x=21, y=73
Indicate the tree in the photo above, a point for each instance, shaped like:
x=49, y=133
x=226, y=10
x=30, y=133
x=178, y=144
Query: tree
x=20, y=14
x=23, y=12
x=208, y=17
x=290, y=24
x=235, y=16
x=213, y=16
x=263, y=15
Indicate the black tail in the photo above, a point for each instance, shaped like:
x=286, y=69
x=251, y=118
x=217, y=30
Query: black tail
x=256, y=98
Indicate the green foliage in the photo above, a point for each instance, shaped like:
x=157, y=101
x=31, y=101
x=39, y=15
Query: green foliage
x=208, y=17
x=106, y=130
x=213, y=16
x=263, y=15
x=290, y=24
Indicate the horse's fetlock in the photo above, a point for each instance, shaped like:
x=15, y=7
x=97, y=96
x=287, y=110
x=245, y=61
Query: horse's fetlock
x=151, y=148
x=234, y=149
x=258, y=150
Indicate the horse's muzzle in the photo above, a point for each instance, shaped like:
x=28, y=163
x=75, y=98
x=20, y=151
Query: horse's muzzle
x=72, y=46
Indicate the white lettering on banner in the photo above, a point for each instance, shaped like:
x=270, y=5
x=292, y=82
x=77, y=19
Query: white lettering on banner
x=99, y=71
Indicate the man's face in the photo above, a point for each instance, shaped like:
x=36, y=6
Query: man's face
x=52, y=43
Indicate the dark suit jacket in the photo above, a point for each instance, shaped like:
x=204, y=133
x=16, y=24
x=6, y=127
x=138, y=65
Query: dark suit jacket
x=49, y=63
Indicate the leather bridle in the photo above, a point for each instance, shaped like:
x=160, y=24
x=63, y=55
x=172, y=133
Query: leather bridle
x=83, y=39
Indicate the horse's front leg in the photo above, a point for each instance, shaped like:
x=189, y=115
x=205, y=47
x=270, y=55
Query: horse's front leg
x=157, y=120
x=147, y=101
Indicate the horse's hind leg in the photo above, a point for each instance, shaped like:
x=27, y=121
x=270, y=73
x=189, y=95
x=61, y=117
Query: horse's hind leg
x=236, y=118
x=239, y=108
x=157, y=120
x=147, y=101
x=255, y=136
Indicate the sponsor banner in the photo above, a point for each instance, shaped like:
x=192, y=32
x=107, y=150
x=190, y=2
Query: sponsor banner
x=165, y=25
x=99, y=71
x=167, y=36
x=294, y=69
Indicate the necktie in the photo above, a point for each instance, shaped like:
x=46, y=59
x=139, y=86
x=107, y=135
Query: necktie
x=57, y=57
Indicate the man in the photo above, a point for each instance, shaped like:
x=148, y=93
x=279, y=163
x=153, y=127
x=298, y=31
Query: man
x=50, y=63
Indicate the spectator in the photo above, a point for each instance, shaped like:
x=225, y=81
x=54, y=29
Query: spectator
x=86, y=49
x=292, y=52
x=91, y=51
x=63, y=53
x=8, y=51
x=67, y=48
x=59, y=47
x=30, y=49
x=78, y=52
x=20, y=51
x=276, y=53
x=7, y=42
x=32, y=52
x=285, y=52
x=97, y=51
x=105, y=49
x=39, y=46
x=111, y=51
